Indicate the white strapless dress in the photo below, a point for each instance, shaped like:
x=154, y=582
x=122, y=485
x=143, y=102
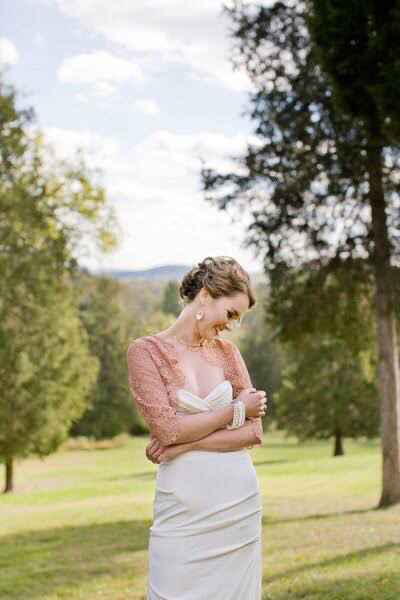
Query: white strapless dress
x=205, y=540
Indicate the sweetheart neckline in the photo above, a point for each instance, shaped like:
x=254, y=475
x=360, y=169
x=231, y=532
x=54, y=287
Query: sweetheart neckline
x=209, y=393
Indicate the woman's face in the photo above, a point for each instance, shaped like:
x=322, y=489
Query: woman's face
x=220, y=314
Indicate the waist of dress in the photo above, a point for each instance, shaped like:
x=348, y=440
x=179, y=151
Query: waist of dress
x=209, y=456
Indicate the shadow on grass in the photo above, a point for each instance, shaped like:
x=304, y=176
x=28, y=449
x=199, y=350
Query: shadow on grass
x=344, y=560
x=34, y=564
x=368, y=586
x=272, y=521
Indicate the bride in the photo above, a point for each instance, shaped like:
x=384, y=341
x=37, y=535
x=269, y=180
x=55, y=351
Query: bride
x=194, y=391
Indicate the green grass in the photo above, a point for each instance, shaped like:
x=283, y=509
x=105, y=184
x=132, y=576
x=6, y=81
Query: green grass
x=76, y=526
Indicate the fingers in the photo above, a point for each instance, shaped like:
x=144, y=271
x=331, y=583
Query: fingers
x=149, y=456
x=153, y=450
x=264, y=401
x=261, y=398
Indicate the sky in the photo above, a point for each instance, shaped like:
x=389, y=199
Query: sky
x=147, y=89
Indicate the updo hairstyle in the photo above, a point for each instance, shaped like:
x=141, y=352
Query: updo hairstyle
x=220, y=275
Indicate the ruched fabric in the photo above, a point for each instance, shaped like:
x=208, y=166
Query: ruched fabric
x=205, y=540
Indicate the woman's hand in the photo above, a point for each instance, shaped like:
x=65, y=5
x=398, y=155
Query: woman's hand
x=255, y=402
x=157, y=453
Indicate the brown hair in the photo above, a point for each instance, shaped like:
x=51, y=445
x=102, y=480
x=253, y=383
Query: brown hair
x=220, y=275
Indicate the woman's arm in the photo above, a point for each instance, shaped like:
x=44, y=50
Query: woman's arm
x=151, y=398
x=226, y=440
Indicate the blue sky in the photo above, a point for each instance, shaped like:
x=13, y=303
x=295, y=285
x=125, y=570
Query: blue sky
x=146, y=89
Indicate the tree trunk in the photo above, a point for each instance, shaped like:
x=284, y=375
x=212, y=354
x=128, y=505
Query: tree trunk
x=338, y=450
x=388, y=359
x=9, y=475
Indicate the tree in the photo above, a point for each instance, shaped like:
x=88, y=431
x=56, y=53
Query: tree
x=327, y=330
x=320, y=180
x=110, y=411
x=358, y=50
x=170, y=303
x=46, y=371
x=46, y=368
x=262, y=354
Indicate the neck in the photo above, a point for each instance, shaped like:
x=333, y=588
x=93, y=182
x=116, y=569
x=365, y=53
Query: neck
x=188, y=337
x=185, y=329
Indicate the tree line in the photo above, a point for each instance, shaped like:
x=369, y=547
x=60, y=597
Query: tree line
x=321, y=184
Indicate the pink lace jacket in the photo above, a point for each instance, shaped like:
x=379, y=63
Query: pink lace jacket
x=154, y=376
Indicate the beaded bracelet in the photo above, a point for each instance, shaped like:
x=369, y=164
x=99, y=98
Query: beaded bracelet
x=239, y=415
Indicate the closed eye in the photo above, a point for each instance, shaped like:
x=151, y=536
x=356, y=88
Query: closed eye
x=231, y=315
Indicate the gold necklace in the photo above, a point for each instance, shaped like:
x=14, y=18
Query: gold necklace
x=194, y=347
x=191, y=346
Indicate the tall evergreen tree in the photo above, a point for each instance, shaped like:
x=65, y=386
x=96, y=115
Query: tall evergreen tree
x=108, y=327
x=359, y=51
x=46, y=369
x=46, y=372
x=327, y=331
x=321, y=181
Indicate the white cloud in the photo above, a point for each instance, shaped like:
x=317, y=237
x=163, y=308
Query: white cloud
x=147, y=106
x=162, y=32
x=99, y=150
x=8, y=52
x=164, y=164
x=154, y=187
x=39, y=40
x=82, y=97
x=99, y=69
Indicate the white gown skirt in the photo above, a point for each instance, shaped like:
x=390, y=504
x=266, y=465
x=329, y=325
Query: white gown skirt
x=205, y=540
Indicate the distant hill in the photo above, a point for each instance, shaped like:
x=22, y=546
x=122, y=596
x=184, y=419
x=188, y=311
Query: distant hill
x=162, y=273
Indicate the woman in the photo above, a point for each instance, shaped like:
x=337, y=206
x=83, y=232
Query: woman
x=195, y=393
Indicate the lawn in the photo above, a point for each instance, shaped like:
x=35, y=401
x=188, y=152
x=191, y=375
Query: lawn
x=76, y=526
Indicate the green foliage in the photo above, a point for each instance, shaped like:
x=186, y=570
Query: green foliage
x=328, y=335
x=141, y=299
x=304, y=176
x=46, y=370
x=170, y=303
x=327, y=391
x=49, y=209
x=260, y=351
x=111, y=410
x=358, y=45
x=308, y=301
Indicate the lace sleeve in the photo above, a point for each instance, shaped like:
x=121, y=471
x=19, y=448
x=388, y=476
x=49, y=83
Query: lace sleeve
x=150, y=394
x=244, y=381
